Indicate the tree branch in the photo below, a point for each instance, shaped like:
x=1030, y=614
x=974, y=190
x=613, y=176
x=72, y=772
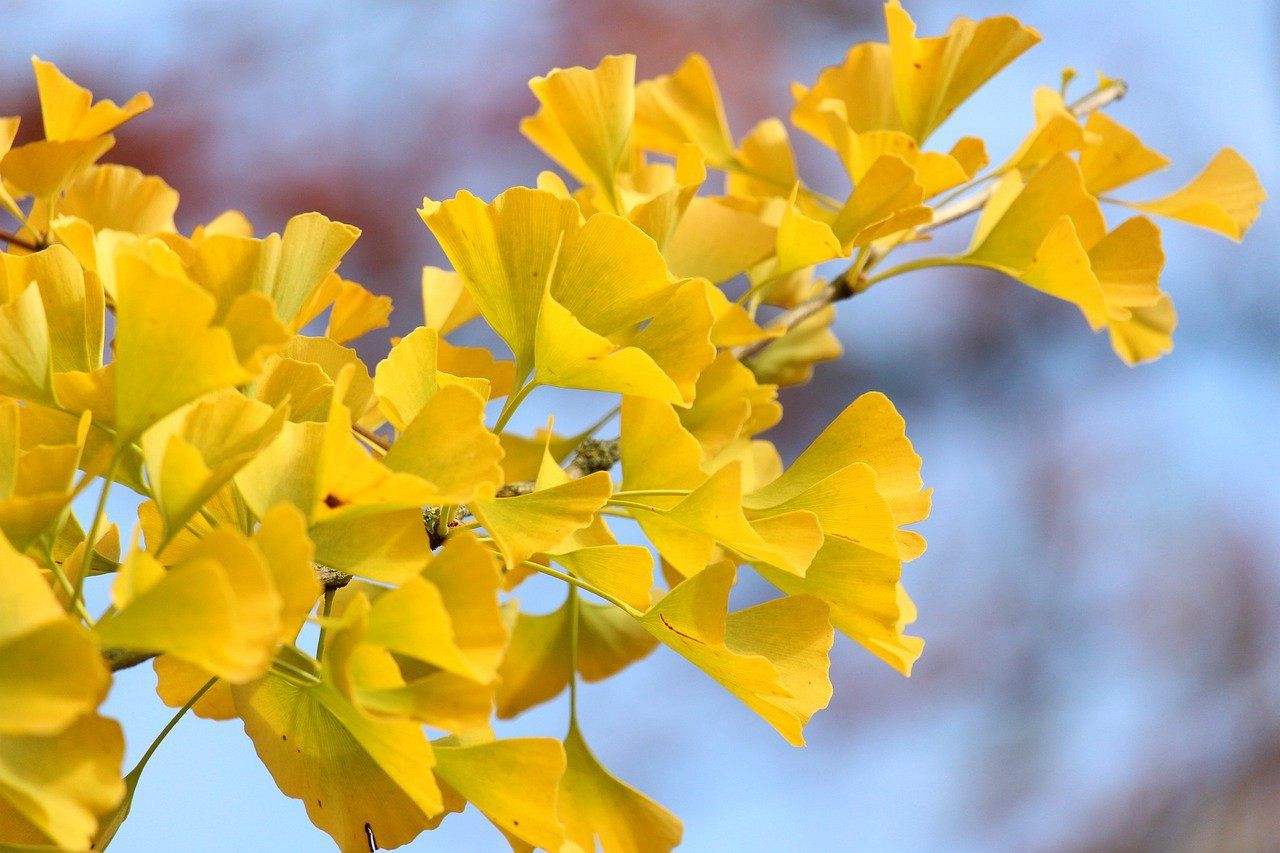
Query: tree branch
x=848, y=282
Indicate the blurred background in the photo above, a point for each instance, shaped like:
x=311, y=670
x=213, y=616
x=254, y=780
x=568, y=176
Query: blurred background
x=1100, y=595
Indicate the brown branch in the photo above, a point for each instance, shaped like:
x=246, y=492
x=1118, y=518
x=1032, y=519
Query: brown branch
x=848, y=282
x=22, y=242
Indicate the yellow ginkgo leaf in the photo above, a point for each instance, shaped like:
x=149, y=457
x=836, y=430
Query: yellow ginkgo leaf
x=35, y=480
x=359, y=778
x=886, y=201
x=73, y=306
x=121, y=198
x=447, y=617
x=536, y=667
x=681, y=108
x=772, y=656
x=194, y=452
x=790, y=359
x=567, y=296
x=686, y=533
x=411, y=374
x=524, y=525
x=595, y=805
x=1040, y=233
x=718, y=238
x=68, y=109
x=8, y=132
x=167, y=354
x=54, y=789
x=1113, y=155
x=446, y=302
x=1147, y=334
x=44, y=167
x=730, y=403
x=294, y=264
x=512, y=782
x=584, y=123
x=218, y=609
x=767, y=161
x=867, y=601
x=448, y=445
x=624, y=571
x=862, y=86
x=177, y=681
x=1056, y=131
x=1226, y=197
x=656, y=195
x=936, y=172
x=51, y=672
x=933, y=76
x=870, y=431
x=355, y=312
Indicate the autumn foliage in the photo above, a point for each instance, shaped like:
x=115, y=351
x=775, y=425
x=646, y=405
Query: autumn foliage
x=389, y=516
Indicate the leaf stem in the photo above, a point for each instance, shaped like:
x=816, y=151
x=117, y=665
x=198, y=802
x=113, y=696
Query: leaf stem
x=513, y=402
x=146, y=756
x=99, y=514
x=581, y=584
x=324, y=611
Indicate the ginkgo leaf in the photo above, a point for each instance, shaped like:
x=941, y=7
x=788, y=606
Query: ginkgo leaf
x=54, y=789
x=933, y=76
x=294, y=264
x=595, y=805
x=51, y=672
x=684, y=107
x=886, y=201
x=867, y=601
x=357, y=776
x=35, y=481
x=68, y=109
x=26, y=370
x=121, y=198
x=1113, y=155
x=194, y=452
x=523, y=525
x=1226, y=197
x=355, y=312
x=447, y=617
x=567, y=296
x=1147, y=334
x=584, y=122
x=686, y=533
x=446, y=302
x=656, y=195
x=218, y=609
x=862, y=85
x=512, y=782
x=448, y=446
x=769, y=164
x=167, y=354
x=730, y=403
x=625, y=571
x=536, y=667
x=772, y=656
x=44, y=167
x=1056, y=131
x=870, y=431
x=790, y=359
x=72, y=302
x=410, y=375
x=717, y=239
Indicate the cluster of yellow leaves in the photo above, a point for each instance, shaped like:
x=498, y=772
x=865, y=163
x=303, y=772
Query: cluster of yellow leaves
x=288, y=490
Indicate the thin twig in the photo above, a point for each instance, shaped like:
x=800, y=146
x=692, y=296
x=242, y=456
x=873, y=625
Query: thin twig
x=22, y=242
x=852, y=280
